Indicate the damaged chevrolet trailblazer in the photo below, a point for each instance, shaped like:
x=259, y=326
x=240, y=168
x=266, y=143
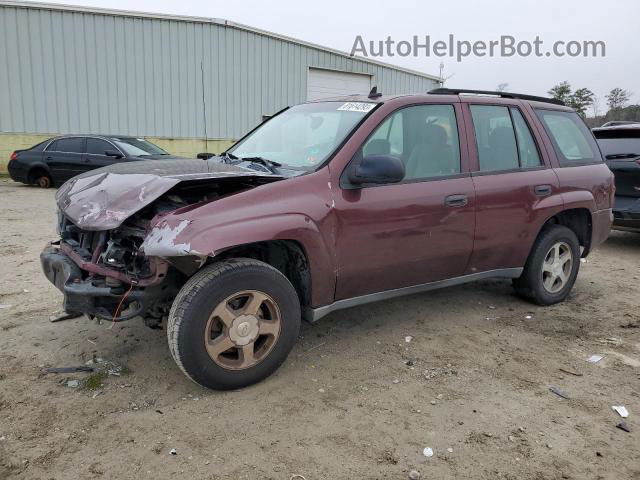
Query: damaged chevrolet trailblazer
x=328, y=205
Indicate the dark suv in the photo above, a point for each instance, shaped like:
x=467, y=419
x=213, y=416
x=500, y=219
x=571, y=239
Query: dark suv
x=58, y=159
x=620, y=144
x=329, y=205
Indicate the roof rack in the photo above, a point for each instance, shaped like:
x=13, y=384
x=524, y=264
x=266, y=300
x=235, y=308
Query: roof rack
x=521, y=96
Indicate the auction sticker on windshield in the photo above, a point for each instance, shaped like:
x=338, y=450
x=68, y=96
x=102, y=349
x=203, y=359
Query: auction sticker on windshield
x=357, y=107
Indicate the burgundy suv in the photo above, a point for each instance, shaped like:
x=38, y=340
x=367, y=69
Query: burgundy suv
x=329, y=205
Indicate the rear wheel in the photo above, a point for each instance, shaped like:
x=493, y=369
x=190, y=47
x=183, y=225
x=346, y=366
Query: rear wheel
x=233, y=324
x=41, y=179
x=552, y=266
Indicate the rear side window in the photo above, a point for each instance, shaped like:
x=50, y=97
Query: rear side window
x=529, y=156
x=95, y=146
x=40, y=146
x=503, y=139
x=70, y=145
x=572, y=140
x=495, y=138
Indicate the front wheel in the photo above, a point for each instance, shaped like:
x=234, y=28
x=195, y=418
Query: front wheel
x=552, y=266
x=233, y=324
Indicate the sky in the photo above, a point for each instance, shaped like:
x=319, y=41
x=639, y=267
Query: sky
x=336, y=24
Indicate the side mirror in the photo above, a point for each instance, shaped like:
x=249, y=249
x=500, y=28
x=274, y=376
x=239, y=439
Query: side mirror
x=377, y=169
x=205, y=155
x=113, y=153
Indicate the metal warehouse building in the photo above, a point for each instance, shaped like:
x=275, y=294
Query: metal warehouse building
x=174, y=80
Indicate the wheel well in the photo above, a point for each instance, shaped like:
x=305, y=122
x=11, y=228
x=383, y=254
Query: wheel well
x=579, y=221
x=35, y=172
x=288, y=256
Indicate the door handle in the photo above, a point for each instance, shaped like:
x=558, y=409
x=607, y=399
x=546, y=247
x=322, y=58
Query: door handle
x=456, y=200
x=542, y=190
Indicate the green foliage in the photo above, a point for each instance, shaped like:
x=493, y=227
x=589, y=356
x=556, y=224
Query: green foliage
x=618, y=98
x=578, y=100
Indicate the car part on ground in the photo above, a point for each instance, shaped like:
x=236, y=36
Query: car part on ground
x=290, y=223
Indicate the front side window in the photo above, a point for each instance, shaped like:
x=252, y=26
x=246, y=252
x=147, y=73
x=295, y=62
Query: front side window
x=303, y=136
x=424, y=137
x=572, y=140
x=70, y=145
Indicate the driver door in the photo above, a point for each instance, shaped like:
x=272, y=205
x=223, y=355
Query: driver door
x=413, y=232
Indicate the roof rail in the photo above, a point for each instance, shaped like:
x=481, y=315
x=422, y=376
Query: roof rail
x=521, y=96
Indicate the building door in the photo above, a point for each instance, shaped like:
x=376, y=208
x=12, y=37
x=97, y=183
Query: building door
x=330, y=83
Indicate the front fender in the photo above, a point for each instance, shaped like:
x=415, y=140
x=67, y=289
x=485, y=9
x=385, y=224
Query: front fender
x=175, y=237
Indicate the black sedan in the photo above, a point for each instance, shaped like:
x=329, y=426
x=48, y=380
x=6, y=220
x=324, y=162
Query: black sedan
x=620, y=145
x=56, y=160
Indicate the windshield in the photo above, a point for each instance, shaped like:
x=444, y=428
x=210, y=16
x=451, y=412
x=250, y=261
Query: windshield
x=305, y=135
x=137, y=147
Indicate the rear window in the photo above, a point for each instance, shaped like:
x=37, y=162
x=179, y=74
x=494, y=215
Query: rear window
x=572, y=140
x=40, y=146
x=70, y=145
x=619, y=143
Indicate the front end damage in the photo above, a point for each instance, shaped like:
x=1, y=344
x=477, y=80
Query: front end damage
x=109, y=262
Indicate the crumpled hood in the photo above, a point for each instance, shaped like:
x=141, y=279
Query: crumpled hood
x=102, y=199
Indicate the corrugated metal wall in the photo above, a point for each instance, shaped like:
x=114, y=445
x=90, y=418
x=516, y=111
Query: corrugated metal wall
x=81, y=72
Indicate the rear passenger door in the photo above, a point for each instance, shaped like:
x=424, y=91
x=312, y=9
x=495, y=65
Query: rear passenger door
x=516, y=188
x=96, y=157
x=64, y=157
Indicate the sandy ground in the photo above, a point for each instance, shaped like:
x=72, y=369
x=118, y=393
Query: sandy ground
x=345, y=404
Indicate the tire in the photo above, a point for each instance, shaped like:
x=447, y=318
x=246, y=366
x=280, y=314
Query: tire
x=41, y=178
x=193, y=316
x=537, y=282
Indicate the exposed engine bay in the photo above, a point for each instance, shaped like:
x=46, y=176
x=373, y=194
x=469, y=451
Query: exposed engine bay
x=104, y=272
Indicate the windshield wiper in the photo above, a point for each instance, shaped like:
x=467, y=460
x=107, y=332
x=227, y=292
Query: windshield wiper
x=270, y=164
x=228, y=156
x=622, y=155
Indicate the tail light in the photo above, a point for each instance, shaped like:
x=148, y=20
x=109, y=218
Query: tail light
x=14, y=156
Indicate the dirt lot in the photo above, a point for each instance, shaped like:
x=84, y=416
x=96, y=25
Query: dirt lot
x=354, y=399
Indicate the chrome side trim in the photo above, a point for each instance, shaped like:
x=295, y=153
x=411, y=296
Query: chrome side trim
x=318, y=313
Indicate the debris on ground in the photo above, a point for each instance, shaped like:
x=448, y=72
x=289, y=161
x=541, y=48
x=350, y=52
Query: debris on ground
x=4, y=305
x=624, y=426
x=73, y=383
x=528, y=317
x=173, y=451
x=408, y=339
x=570, y=372
x=64, y=316
x=81, y=368
x=427, y=452
x=594, y=358
x=559, y=392
x=396, y=381
x=621, y=410
x=414, y=475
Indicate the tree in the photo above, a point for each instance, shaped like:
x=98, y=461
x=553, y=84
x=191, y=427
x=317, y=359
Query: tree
x=502, y=87
x=580, y=100
x=618, y=98
x=562, y=91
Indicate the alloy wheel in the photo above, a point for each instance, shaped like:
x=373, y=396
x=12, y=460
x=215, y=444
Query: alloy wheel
x=242, y=330
x=556, y=268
